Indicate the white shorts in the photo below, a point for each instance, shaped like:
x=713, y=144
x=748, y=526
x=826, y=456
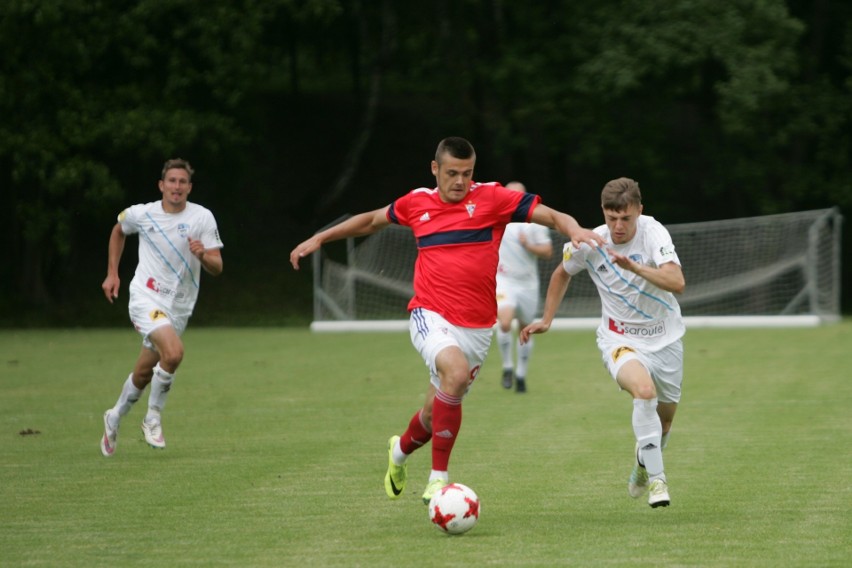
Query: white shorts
x=665, y=366
x=148, y=316
x=520, y=295
x=431, y=333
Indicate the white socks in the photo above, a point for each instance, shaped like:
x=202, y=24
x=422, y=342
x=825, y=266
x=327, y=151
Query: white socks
x=398, y=456
x=435, y=474
x=504, y=342
x=160, y=385
x=129, y=395
x=524, y=352
x=648, y=431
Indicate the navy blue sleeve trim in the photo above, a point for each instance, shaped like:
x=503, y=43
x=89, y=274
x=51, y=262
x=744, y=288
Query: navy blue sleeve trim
x=522, y=213
x=392, y=214
x=456, y=238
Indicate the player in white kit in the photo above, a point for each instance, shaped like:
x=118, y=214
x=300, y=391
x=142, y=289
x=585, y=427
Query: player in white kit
x=637, y=274
x=176, y=240
x=518, y=287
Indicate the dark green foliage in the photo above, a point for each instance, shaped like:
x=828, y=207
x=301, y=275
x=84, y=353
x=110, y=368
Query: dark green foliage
x=294, y=113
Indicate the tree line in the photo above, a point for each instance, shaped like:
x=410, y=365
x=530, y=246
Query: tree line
x=296, y=112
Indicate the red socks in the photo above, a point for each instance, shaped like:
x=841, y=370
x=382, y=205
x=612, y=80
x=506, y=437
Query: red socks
x=446, y=423
x=415, y=436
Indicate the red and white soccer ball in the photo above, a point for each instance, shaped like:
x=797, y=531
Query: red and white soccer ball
x=454, y=509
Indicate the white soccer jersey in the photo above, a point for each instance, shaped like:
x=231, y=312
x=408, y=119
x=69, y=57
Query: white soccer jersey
x=516, y=262
x=632, y=309
x=167, y=272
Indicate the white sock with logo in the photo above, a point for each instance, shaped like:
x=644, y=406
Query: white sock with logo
x=128, y=397
x=161, y=383
x=648, y=430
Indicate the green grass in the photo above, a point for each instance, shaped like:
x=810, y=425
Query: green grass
x=276, y=455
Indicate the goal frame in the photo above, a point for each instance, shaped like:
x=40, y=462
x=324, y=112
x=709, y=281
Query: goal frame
x=822, y=305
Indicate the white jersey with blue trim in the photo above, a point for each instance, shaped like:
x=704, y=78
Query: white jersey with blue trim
x=168, y=272
x=632, y=309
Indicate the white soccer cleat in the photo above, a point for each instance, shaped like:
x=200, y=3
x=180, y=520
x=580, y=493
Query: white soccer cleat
x=153, y=434
x=637, y=483
x=110, y=437
x=658, y=494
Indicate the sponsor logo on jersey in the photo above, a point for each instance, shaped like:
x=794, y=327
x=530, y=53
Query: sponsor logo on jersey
x=470, y=208
x=425, y=217
x=602, y=268
x=667, y=250
x=637, y=330
x=152, y=284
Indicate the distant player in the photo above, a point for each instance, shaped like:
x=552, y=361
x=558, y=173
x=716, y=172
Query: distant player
x=176, y=240
x=457, y=228
x=518, y=286
x=637, y=274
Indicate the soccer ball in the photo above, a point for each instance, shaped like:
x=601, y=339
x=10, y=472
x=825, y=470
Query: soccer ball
x=454, y=509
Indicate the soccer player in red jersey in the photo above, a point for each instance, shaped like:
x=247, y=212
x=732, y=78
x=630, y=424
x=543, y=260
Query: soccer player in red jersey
x=458, y=226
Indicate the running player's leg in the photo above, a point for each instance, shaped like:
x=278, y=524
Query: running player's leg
x=527, y=306
x=416, y=435
x=505, y=315
x=169, y=346
x=634, y=377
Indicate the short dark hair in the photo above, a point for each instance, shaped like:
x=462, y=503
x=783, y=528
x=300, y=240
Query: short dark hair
x=621, y=193
x=177, y=163
x=455, y=147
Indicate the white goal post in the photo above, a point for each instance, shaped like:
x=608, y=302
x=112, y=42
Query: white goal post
x=772, y=270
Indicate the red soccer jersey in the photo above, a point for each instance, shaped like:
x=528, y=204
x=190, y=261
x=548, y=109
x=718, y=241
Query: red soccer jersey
x=457, y=248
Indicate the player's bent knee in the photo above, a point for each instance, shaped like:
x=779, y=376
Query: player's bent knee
x=645, y=392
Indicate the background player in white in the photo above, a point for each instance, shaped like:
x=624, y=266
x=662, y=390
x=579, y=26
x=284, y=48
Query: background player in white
x=176, y=239
x=636, y=274
x=518, y=285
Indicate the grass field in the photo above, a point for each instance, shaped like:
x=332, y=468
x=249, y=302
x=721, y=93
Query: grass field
x=276, y=455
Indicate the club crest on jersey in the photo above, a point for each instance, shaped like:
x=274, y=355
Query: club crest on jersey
x=637, y=258
x=183, y=229
x=470, y=207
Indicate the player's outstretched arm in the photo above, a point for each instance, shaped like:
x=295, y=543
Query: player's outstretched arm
x=565, y=224
x=356, y=226
x=556, y=289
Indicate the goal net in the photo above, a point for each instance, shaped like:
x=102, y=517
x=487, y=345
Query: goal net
x=772, y=270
